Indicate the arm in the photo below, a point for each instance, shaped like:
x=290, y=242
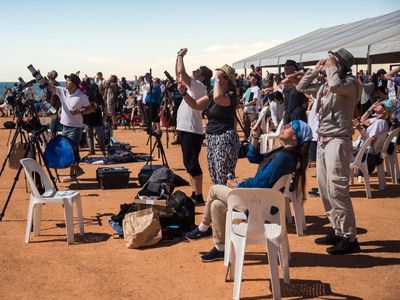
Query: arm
x=200, y=104
x=180, y=68
x=306, y=86
x=345, y=88
x=390, y=75
x=219, y=96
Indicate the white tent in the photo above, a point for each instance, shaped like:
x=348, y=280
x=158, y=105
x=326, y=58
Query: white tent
x=372, y=40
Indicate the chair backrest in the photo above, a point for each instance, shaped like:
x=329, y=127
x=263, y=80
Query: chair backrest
x=282, y=182
x=358, y=160
x=262, y=205
x=391, y=137
x=32, y=169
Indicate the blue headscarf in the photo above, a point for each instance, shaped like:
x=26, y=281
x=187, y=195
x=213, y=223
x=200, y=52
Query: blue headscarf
x=302, y=130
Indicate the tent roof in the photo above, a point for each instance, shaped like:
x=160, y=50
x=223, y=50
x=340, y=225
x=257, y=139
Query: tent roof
x=378, y=37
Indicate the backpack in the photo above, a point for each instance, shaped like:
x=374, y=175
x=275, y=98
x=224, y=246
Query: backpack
x=159, y=184
x=184, y=212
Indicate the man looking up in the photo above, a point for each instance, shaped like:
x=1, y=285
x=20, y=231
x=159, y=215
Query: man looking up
x=190, y=124
x=336, y=101
x=73, y=103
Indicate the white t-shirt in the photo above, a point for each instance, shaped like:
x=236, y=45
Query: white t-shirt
x=257, y=95
x=189, y=119
x=277, y=110
x=379, y=129
x=391, y=86
x=77, y=100
x=313, y=121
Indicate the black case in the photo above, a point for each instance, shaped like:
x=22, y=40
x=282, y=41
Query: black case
x=112, y=178
x=145, y=173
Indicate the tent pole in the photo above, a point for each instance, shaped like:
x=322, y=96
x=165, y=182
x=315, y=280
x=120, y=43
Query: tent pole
x=369, y=62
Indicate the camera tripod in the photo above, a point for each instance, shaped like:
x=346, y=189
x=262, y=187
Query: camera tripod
x=160, y=148
x=33, y=148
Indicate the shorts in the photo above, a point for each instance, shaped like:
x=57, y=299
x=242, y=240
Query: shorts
x=73, y=133
x=111, y=106
x=191, y=144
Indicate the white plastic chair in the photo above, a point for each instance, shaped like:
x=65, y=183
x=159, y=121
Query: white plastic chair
x=360, y=164
x=67, y=198
x=391, y=161
x=296, y=198
x=267, y=139
x=258, y=225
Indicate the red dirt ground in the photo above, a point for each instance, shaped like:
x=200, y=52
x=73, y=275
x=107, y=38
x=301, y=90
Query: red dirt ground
x=101, y=267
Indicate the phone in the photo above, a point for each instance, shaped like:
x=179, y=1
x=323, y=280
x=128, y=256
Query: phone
x=251, y=96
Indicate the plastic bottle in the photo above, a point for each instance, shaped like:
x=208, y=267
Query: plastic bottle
x=49, y=108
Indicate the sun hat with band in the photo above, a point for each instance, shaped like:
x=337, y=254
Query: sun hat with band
x=389, y=105
x=345, y=57
x=302, y=131
x=229, y=72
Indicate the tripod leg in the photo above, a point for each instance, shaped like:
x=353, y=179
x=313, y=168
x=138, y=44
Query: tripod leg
x=41, y=157
x=13, y=141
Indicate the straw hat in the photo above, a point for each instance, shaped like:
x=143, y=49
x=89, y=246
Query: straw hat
x=230, y=72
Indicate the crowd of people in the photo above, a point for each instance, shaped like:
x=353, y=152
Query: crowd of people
x=318, y=110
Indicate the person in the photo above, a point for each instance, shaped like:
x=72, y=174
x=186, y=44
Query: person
x=295, y=101
x=190, y=123
x=153, y=101
x=272, y=166
x=394, y=77
x=251, y=103
x=111, y=98
x=101, y=83
x=377, y=127
x=6, y=107
x=336, y=101
x=277, y=108
x=222, y=140
x=368, y=88
x=74, y=103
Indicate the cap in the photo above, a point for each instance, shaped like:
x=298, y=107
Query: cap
x=74, y=78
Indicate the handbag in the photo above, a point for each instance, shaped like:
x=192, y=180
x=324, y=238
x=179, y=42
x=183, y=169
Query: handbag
x=142, y=228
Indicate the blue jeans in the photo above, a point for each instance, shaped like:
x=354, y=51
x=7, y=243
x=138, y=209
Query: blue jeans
x=73, y=133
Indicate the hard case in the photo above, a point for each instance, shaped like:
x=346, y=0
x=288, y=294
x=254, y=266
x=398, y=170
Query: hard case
x=112, y=178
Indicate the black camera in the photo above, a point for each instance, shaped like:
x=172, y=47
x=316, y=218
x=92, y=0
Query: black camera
x=43, y=81
x=171, y=80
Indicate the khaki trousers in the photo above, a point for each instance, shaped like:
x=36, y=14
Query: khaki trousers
x=215, y=211
x=333, y=170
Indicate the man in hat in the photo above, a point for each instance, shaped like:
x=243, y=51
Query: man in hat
x=336, y=101
x=74, y=103
x=190, y=124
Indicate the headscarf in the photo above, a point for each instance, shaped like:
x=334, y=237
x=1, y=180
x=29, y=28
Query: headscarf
x=302, y=130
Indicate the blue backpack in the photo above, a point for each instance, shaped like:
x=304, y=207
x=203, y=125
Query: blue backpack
x=61, y=152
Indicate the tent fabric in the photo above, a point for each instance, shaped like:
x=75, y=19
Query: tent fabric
x=365, y=38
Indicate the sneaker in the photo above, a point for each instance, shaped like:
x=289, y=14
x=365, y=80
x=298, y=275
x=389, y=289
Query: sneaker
x=330, y=239
x=197, y=199
x=69, y=179
x=213, y=255
x=314, y=194
x=344, y=247
x=197, y=234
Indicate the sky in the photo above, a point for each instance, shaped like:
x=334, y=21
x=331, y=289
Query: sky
x=127, y=38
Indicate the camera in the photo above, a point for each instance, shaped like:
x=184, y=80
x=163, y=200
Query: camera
x=171, y=80
x=43, y=81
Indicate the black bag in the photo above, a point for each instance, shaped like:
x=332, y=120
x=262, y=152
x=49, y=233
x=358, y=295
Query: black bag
x=373, y=160
x=9, y=125
x=244, y=145
x=184, y=211
x=124, y=209
x=118, y=147
x=160, y=184
x=121, y=157
x=145, y=173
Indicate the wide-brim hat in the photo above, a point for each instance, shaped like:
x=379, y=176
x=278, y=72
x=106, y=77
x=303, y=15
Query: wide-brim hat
x=230, y=72
x=74, y=78
x=345, y=57
x=291, y=63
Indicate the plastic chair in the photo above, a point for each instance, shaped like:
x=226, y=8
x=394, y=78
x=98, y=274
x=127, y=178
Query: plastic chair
x=361, y=164
x=391, y=161
x=256, y=216
x=267, y=139
x=295, y=197
x=50, y=195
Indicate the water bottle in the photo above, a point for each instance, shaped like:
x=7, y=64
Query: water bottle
x=116, y=227
x=49, y=108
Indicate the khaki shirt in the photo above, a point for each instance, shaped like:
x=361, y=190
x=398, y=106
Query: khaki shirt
x=336, y=107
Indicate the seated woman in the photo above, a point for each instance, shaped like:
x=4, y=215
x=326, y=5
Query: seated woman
x=377, y=127
x=272, y=166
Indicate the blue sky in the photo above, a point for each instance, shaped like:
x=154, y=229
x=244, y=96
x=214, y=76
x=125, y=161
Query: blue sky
x=127, y=38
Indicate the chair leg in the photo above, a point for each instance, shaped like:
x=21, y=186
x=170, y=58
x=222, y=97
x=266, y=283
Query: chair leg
x=239, y=257
x=80, y=214
x=367, y=185
x=228, y=225
x=288, y=213
x=381, y=177
x=29, y=220
x=37, y=219
x=273, y=265
x=299, y=217
x=69, y=224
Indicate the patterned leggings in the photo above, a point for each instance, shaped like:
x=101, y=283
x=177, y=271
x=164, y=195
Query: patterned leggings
x=222, y=155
